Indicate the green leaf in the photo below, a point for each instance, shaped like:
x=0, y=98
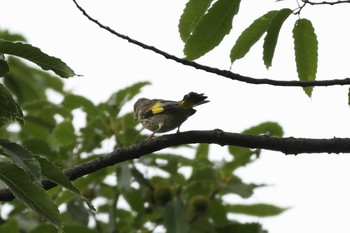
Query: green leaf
x=29, y=193
x=22, y=158
x=305, y=46
x=242, y=157
x=6, y=35
x=64, y=134
x=236, y=186
x=175, y=217
x=211, y=29
x=251, y=35
x=78, y=212
x=202, y=152
x=218, y=213
x=260, y=210
x=124, y=178
x=72, y=102
x=35, y=55
x=241, y=228
x=4, y=67
x=118, y=99
x=272, y=33
x=9, y=109
x=28, y=83
x=268, y=128
x=191, y=15
x=10, y=225
x=53, y=173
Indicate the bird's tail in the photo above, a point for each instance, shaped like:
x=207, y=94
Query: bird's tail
x=193, y=99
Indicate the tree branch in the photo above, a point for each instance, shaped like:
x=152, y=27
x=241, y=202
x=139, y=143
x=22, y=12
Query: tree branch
x=326, y=2
x=224, y=73
x=288, y=145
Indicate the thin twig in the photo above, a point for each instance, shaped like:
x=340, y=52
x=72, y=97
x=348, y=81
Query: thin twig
x=223, y=73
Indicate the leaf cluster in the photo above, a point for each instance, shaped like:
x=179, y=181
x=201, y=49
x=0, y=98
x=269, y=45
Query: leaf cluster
x=204, y=24
x=157, y=191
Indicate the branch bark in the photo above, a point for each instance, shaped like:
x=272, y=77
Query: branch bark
x=288, y=145
x=223, y=73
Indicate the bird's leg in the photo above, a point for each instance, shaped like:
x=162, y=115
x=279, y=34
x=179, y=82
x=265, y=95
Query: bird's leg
x=160, y=125
x=178, y=129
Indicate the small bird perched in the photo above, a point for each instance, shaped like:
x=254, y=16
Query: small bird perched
x=161, y=116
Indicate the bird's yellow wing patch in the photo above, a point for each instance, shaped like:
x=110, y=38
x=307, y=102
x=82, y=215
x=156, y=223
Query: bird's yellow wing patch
x=157, y=108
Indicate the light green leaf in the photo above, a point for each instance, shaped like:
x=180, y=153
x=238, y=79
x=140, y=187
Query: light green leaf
x=218, y=213
x=118, y=99
x=202, y=152
x=268, y=128
x=35, y=55
x=191, y=15
x=124, y=178
x=211, y=29
x=22, y=158
x=64, y=134
x=260, y=210
x=9, y=109
x=305, y=46
x=34, y=196
x=175, y=217
x=72, y=102
x=251, y=35
x=272, y=33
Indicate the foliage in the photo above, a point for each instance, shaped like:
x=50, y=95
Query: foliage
x=157, y=191
x=203, y=26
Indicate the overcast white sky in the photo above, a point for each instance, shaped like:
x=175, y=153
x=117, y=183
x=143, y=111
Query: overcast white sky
x=315, y=186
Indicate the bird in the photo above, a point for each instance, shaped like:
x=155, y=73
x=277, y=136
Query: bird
x=160, y=116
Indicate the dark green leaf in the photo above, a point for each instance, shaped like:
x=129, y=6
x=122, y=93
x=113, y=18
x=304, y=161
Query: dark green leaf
x=268, y=128
x=260, y=210
x=35, y=55
x=251, y=35
x=272, y=35
x=78, y=212
x=134, y=199
x=211, y=29
x=9, y=109
x=175, y=217
x=44, y=228
x=22, y=158
x=306, y=55
x=191, y=15
x=10, y=226
x=32, y=195
x=241, y=228
x=53, y=173
x=4, y=67
x=202, y=224
x=77, y=229
x=64, y=134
